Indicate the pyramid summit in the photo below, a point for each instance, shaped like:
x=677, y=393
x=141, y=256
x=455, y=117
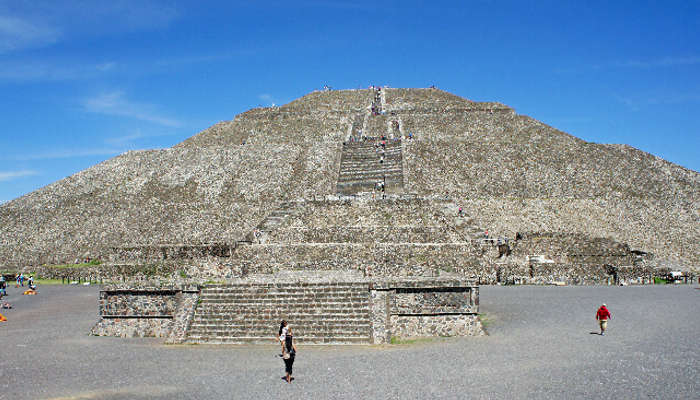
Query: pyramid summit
x=385, y=170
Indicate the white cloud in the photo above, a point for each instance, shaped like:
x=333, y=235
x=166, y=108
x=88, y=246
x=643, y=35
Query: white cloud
x=27, y=24
x=267, y=98
x=115, y=103
x=18, y=33
x=67, y=153
x=9, y=175
x=635, y=102
x=48, y=71
x=660, y=62
x=129, y=139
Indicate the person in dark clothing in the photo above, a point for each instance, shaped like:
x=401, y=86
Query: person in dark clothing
x=290, y=352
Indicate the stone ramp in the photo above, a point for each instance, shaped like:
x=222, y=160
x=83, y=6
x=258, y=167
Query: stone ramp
x=318, y=312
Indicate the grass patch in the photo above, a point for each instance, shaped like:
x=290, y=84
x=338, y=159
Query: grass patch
x=485, y=320
x=48, y=281
x=660, y=281
x=213, y=282
x=76, y=266
x=398, y=340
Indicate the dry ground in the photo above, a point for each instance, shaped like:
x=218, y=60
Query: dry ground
x=540, y=346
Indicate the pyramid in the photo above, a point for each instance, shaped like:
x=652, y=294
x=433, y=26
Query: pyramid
x=358, y=179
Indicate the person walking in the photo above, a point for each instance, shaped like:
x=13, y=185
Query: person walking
x=603, y=315
x=290, y=352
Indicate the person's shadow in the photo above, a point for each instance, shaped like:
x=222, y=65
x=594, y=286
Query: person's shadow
x=594, y=333
x=284, y=378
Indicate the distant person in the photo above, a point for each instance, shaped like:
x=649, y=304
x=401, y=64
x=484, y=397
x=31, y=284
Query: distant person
x=283, y=333
x=603, y=315
x=460, y=213
x=3, y=286
x=288, y=355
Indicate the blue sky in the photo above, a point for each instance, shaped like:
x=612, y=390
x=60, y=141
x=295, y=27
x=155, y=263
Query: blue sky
x=82, y=81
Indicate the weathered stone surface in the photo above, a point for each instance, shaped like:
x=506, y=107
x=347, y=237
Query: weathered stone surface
x=142, y=311
x=509, y=172
x=407, y=326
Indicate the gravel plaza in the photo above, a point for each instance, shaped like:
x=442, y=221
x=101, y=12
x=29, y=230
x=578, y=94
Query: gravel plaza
x=542, y=344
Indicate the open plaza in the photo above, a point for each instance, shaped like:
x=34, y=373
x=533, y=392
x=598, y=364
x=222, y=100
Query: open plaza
x=542, y=342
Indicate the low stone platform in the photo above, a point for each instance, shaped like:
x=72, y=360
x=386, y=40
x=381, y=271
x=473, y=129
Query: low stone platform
x=336, y=309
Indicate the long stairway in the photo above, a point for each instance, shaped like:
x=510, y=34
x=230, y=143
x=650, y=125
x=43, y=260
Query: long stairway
x=361, y=169
x=271, y=222
x=319, y=313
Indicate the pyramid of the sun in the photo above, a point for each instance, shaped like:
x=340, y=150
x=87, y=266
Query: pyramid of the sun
x=282, y=173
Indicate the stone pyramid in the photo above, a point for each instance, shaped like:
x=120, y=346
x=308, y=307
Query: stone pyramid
x=299, y=186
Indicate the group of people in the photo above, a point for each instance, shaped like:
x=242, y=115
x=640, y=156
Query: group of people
x=20, y=281
x=380, y=186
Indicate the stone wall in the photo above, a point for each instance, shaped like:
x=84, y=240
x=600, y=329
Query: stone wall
x=406, y=326
x=146, y=311
x=150, y=253
x=384, y=259
x=424, y=308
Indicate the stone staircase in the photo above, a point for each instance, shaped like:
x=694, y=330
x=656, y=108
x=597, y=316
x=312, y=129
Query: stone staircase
x=361, y=169
x=318, y=312
x=273, y=220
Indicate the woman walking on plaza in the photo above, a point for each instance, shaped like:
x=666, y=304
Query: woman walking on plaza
x=290, y=352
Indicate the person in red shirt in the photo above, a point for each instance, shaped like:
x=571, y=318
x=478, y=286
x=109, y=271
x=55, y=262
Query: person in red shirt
x=603, y=315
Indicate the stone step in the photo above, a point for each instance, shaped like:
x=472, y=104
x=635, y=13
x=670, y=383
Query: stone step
x=300, y=305
x=377, y=166
x=368, y=183
x=292, y=285
x=368, y=163
x=291, y=288
x=371, y=156
x=263, y=315
x=368, y=160
x=258, y=304
x=214, y=324
x=302, y=312
x=289, y=292
x=268, y=325
x=268, y=340
x=219, y=330
x=321, y=296
x=377, y=176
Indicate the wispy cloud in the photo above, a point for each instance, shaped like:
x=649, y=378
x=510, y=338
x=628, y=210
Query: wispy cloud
x=27, y=24
x=66, y=153
x=131, y=138
x=660, y=62
x=635, y=102
x=116, y=103
x=9, y=175
x=267, y=98
x=18, y=33
x=52, y=71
